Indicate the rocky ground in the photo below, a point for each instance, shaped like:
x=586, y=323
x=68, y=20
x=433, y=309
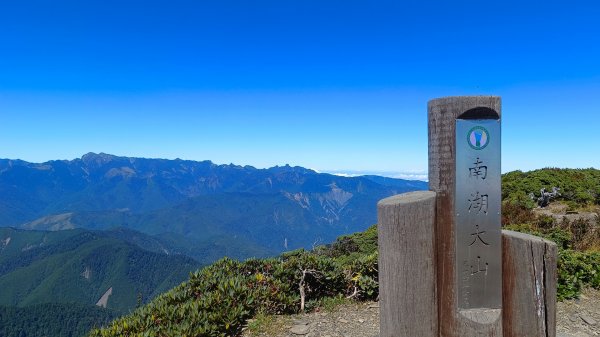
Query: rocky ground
x=575, y=318
x=559, y=212
x=580, y=317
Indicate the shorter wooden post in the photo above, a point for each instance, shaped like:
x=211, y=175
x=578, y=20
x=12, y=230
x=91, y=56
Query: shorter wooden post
x=407, y=282
x=529, y=285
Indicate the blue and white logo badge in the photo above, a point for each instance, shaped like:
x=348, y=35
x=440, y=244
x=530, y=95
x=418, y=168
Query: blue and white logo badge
x=478, y=137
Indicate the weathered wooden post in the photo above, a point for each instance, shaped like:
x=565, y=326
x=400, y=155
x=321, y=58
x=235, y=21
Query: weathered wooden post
x=464, y=171
x=407, y=265
x=528, y=285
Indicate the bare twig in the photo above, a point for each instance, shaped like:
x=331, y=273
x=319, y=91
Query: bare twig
x=316, y=243
x=356, y=292
x=302, y=285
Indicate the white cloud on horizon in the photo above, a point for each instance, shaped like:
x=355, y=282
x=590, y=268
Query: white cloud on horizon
x=409, y=175
x=412, y=176
x=347, y=175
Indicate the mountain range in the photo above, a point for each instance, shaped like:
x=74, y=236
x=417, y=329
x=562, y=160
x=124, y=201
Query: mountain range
x=209, y=210
x=83, y=241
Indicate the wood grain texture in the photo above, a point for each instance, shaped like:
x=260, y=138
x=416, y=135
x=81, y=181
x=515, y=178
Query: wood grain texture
x=442, y=114
x=407, y=286
x=529, y=285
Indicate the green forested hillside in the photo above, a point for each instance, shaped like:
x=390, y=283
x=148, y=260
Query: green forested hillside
x=205, y=231
x=237, y=225
x=48, y=320
x=79, y=266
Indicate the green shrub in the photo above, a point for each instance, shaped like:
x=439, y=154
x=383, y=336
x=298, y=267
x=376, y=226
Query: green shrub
x=580, y=227
x=364, y=276
x=562, y=237
x=545, y=221
x=348, y=248
x=575, y=270
x=217, y=300
x=514, y=213
x=580, y=186
x=572, y=206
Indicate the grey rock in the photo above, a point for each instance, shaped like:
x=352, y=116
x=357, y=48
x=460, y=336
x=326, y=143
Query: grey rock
x=300, y=329
x=587, y=319
x=301, y=322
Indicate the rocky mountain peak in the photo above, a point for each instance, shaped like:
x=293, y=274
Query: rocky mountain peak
x=97, y=159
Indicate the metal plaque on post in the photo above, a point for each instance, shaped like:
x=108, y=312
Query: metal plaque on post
x=477, y=214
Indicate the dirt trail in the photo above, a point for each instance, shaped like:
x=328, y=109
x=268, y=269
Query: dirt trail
x=575, y=318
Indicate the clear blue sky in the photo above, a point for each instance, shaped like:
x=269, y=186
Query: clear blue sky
x=331, y=85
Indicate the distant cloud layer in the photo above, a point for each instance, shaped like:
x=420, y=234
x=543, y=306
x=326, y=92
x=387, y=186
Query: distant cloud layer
x=409, y=175
x=412, y=176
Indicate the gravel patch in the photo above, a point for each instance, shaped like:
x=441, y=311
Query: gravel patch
x=575, y=318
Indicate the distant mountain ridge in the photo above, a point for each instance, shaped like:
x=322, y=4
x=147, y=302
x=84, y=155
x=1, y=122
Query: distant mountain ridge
x=220, y=208
x=118, y=228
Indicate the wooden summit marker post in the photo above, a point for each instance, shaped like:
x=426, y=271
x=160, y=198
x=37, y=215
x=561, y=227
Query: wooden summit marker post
x=445, y=267
x=464, y=171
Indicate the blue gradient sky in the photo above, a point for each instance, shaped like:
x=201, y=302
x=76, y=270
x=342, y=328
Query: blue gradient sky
x=338, y=86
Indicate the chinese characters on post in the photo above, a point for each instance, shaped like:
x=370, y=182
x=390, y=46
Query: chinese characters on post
x=477, y=205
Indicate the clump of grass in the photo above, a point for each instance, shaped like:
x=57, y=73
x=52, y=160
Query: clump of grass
x=330, y=304
x=264, y=325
